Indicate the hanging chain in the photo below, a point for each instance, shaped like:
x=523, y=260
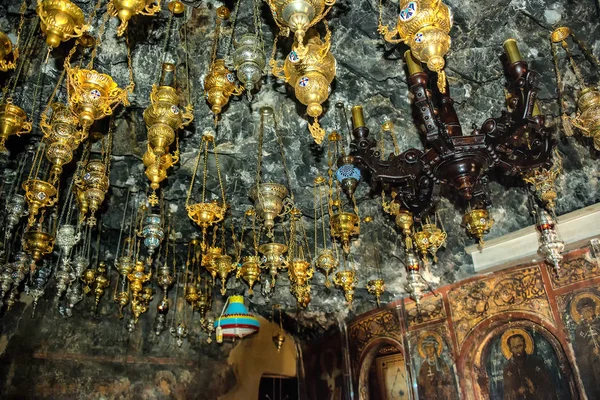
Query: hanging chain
x=187, y=200
x=258, y=23
x=187, y=63
x=215, y=44
x=131, y=86
x=592, y=58
x=261, y=133
x=229, y=43
x=205, y=140
x=123, y=224
x=164, y=47
x=22, y=11
x=101, y=30
x=574, y=66
x=559, y=85
x=282, y=153
x=219, y=173
x=24, y=57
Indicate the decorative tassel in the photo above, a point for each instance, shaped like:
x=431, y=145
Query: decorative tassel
x=316, y=131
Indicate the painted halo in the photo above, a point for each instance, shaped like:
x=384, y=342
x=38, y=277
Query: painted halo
x=428, y=334
x=515, y=331
x=575, y=313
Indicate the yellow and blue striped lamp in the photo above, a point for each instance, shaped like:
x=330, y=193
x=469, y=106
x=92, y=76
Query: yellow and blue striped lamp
x=235, y=321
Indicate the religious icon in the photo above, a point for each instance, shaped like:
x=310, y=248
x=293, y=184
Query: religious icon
x=585, y=311
x=435, y=381
x=525, y=375
x=391, y=377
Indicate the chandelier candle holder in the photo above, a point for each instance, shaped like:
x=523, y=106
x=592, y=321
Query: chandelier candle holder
x=424, y=25
x=206, y=213
x=512, y=145
x=310, y=75
x=298, y=16
x=8, y=54
x=62, y=137
x=61, y=20
x=13, y=122
x=587, y=119
x=126, y=9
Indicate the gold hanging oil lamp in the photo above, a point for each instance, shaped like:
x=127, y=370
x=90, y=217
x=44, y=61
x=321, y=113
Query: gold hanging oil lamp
x=206, y=213
x=101, y=283
x=298, y=16
x=13, y=122
x=8, y=55
x=376, y=287
x=219, y=83
x=192, y=273
x=163, y=118
x=62, y=136
x=37, y=242
x=224, y=264
x=39, y=194
x=270, y=199
x=430, y=239
x=543, y=181
x=424, y=25
x=137, y=278
x=587, y=119
x=346, y=280
x=310, y=75
x=300, y=270
x=176, y=7
x=279, y=338
x=415, y=285
x=249, y=270
x=61, y=20
x=125, y=9
x=165, y=278
x=325, y=259
x=478, y=222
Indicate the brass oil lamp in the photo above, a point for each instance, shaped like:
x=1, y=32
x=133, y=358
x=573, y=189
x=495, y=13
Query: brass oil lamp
x=310, y=76
x=38, y=194
x=325, y=260
x=346, y=280
x=424, y=25
x=13, y=122
x=176, y=7
x=273, y=259
x=478, y=222
x=61, y=20
x=163, y=116
x=62, y=137
x=543, y=181
x=344, y=226
x=101, y=283
x=92, y=95
x=249, y=60
x=301, y=273
x=269, y=202
x=376, y=287
x=219, y=86
x=279, y=338
x=224, y=265
x=156, y=170
x=219, y=83
x=250, y=271
x=587, y=119
x=37, y=244
x=429, y=240
x=95, y=181
x=136, y=279
x=206, y=213
x=125, y=9
x=209, y=260
x=298, y=16
x=8, y=55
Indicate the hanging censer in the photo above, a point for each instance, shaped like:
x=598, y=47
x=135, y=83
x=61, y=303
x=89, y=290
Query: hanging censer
x=219, y=84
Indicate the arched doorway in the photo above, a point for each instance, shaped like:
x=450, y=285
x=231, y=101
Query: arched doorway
x=383, y=372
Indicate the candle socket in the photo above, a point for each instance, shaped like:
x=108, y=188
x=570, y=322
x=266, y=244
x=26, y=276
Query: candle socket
x=414, y=65
x=512, y=51
x=358, y=118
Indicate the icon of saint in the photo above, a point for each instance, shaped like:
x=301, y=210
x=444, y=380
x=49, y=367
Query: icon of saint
x=435, y=380
x=585, y=310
